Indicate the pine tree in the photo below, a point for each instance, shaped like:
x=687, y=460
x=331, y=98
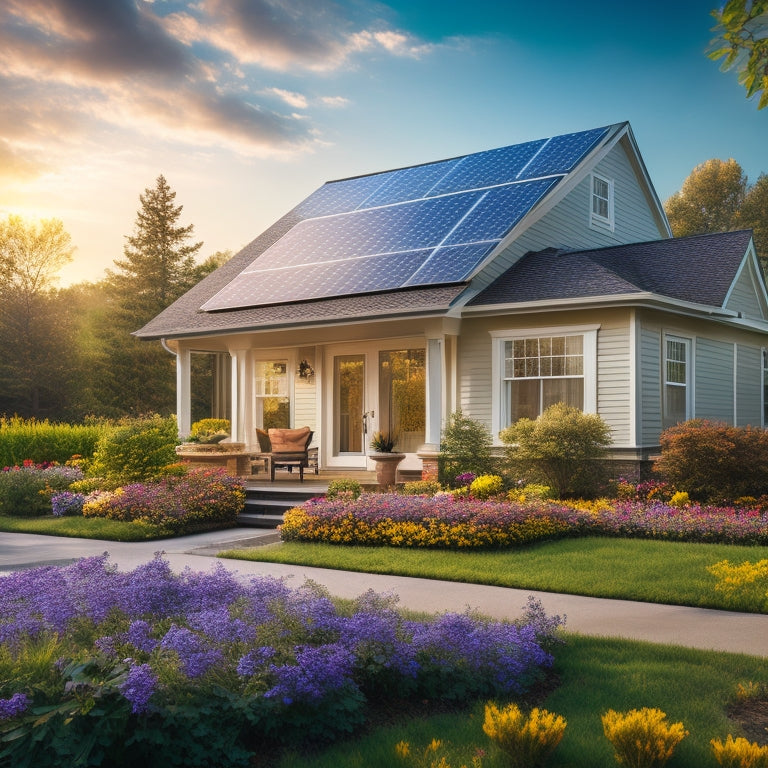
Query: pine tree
x=159, y=264
x=138, y=377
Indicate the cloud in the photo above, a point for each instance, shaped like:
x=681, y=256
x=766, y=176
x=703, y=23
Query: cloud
x=295, y=100
x=335, y=101
x=87, y=73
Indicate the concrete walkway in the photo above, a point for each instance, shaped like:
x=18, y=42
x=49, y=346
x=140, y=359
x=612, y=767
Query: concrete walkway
x=692, y=627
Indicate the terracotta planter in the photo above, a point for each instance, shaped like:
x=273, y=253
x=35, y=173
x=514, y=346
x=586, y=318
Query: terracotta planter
x=386, y=467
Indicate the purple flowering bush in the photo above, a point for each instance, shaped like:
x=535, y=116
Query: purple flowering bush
x=197, y=500
x=99, y=667
x=447, y=522
x=26, y=490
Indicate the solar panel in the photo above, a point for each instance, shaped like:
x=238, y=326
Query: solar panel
x=424, y=225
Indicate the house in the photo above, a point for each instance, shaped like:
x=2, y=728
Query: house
x=495, y=283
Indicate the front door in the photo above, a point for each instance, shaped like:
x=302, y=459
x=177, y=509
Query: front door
x=383, y=388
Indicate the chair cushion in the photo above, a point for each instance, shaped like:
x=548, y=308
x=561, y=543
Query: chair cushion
x=289, y=440
x=265, y=446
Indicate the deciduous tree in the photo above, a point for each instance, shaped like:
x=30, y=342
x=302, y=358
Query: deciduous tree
x=709, y=200
x=35, y=324
x=742, y=40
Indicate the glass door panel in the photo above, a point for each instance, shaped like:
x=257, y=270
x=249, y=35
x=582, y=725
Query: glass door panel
x=402, y=397
x=348, y=404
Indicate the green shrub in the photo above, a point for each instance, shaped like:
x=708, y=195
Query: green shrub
x=41, y=441
x=563, y=448
x=136, y=450
x=713, y=461
x=465, y=446
x=421, y=488
x=486, y=486
x=345, y=488
x=26, y=491
x=209, y=430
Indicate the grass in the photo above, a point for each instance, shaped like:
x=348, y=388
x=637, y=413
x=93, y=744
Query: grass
x=81, y=528
x=673, y=573
x=595, y=674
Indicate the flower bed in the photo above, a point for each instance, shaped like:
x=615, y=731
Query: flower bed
x=456, y=523
x=197, y=500
x=206, y=669
x=441, y=521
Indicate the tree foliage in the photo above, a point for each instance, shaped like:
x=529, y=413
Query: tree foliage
x=742, y=41
x=709, y=200
x=158, y=266
x=717, y=197
x=35, y=323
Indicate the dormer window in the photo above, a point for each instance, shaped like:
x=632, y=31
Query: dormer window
x=601, y=212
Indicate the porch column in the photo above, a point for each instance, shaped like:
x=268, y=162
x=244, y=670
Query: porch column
x=242, y=397
x=435, y=365
x=184, y=391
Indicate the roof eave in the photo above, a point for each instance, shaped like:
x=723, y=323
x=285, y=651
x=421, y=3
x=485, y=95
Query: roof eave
x=639, y=299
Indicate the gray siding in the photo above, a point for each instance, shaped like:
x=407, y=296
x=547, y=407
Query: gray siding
x=713, y=389
x=748, y=386
x=613, y=381
x=613, y=365
x=650, y=386
x=744, y=296
x=567, y=224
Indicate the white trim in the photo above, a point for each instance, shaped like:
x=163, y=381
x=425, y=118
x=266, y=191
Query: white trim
x=735, y=421
x=635, y=366
x=596, y=220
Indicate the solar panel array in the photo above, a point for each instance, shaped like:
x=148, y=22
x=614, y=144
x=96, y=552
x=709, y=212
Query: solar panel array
x=424, y=225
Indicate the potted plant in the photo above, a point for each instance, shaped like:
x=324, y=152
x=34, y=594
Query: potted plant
x=382, y=444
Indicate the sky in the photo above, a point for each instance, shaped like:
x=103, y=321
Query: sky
x=248, y=106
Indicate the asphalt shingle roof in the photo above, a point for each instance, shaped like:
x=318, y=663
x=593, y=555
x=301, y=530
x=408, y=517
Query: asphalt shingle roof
x=696, y=269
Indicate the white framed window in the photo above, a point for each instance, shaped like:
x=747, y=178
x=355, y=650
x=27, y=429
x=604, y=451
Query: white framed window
x=272, y=402
x=535, y=368
x=677, y=380
x=601, y=203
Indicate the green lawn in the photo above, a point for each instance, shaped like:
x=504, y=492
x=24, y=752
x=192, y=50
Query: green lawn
x=693, y=687
x=630, y=569
x=81, y=528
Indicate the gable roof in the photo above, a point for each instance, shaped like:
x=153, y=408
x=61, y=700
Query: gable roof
x=423, y=225
x=425, y=232
x=698, y=269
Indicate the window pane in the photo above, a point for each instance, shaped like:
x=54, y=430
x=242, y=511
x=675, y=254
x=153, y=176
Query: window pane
x=568, y=391
x=519, y=347
x=600, y=187
x=531, y=347
x=574, y=345
x=558, y=366
x=546, y=366
x=558, y=345
x=523, y=400
x=574, y=366
x=545, y=345
x=676, y=401
x=532, y=366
